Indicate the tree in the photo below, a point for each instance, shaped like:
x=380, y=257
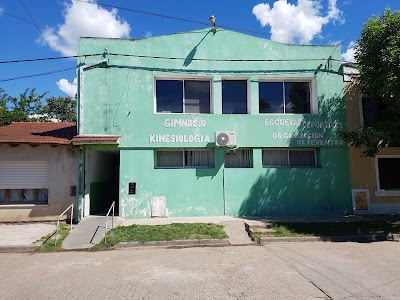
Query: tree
x=378, y=59
x=61, y=108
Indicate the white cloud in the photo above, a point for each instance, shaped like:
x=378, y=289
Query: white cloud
x=1, y=11
x=148, y=34
x=84, y=19
x=69, y=88
x=296, y=23
x=349, y=54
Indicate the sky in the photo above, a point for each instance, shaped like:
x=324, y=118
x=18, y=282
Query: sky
x=33, y=29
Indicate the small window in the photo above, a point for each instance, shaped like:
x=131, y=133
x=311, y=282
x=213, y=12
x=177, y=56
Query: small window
x=24, y=196
x=289, y=158
x=285, y=97
x=239, y=158
x=183, y=96
x=371, y=110
x=234, y=96
x=389, y=176
x=184, y=158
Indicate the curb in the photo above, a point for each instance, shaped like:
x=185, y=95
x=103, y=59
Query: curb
x=350, y=238
x=174, y=244
x=18, y=249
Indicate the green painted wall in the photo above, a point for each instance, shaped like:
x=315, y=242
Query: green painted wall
x=118, y=98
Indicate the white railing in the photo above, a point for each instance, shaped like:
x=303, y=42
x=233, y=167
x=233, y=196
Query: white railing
x=112, y=207
x=58, y=220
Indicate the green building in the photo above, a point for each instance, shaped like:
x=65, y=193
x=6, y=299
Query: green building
x=207, y=123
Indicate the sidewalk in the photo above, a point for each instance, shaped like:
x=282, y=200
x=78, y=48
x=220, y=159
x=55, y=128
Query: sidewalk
x=22, y=237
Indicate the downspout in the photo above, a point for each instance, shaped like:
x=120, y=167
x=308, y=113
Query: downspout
x=81, y=87
x=81, y=153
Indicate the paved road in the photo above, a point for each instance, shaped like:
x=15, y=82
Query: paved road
x=276, y=271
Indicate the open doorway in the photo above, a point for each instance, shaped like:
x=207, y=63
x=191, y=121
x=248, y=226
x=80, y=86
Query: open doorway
x=102, y=179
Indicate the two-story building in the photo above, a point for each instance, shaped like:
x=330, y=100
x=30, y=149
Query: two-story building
x=209, y=122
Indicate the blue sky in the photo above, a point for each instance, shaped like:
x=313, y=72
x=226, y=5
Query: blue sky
x=26, y=23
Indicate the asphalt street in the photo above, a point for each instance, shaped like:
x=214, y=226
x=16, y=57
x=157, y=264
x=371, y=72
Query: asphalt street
x=275, y=271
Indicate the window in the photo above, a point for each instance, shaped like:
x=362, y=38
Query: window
x=289, y=158
x=183, y=96
x=184, y=158
x=388, y=173
x=234, y=96
x=284, y=97
x=24, y=196
x=371, y=110
x=239, y=158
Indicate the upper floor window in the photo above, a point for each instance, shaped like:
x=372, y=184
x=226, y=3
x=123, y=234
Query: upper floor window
x=234, y=97
x=371, y=110
x=284, y=97
x=182, y=96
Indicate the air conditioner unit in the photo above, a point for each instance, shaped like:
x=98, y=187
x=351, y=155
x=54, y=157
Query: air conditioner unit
x=225, y=138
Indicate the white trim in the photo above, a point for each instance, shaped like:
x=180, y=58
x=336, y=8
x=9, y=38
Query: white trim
x=379, y=191
x=353, y=196
x=385, y=208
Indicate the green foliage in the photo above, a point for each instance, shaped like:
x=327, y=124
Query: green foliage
x=378, y=58
x=48, y=241
x=175, y=231
x=21, y=108
x=28, y=107
x=61, y=108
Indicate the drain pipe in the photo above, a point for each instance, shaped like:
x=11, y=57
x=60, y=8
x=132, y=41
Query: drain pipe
x=81, y=87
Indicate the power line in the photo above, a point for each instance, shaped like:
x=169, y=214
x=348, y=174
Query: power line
x=37, y=27
x=35, y=75
x=46, y=58
x=221, y=60
x=181, y=19
x=10, y=15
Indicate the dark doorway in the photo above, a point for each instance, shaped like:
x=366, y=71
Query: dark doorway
x=103, y=180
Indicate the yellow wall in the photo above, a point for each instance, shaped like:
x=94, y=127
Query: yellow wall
x=362, y=169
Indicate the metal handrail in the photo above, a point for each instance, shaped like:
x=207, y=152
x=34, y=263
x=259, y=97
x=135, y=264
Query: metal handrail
x=112, y=220
x=58, y=220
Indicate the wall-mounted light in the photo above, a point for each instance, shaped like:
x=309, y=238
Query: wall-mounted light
x=212, y=22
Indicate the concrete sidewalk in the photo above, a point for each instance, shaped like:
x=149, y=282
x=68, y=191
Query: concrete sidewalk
x=89, y=232
x=22, y=237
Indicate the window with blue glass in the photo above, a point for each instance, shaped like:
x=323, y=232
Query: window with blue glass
x=284, y=97
x=234, y=97
x=182, y=96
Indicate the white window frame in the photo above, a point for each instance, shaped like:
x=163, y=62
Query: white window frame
x=379, y=191
x=183, y=158
x=288, y=158
x=248, y=93
x=197, y=78
x=313, y=94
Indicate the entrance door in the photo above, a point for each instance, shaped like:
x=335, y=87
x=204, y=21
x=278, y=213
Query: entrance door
x=102, y=180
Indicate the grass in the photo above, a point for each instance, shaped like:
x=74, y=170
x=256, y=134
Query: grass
x=335, y=228
x=48, y=240
x=175, y=231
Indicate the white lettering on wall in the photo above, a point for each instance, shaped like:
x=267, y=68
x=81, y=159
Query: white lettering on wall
x=186, y=123
x=305, y=124
x=178, y=138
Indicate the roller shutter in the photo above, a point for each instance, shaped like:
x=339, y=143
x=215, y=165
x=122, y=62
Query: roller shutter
x=24, y=174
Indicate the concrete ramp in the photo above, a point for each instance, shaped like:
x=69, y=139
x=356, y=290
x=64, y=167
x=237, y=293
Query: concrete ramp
x=89, y=232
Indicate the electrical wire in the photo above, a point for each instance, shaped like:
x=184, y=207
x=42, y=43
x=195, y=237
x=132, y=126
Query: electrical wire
x=35, y=75
x=46, y=58
x=37, y=27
